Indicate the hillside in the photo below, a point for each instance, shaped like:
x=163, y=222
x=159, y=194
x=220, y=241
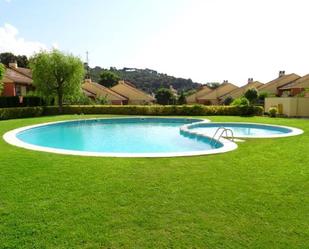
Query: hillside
x=147, y=79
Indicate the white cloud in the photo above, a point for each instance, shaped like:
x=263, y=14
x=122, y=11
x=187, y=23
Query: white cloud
x=10, y=41
x=233, y=40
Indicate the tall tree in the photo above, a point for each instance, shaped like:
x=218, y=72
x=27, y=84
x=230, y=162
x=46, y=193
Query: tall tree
x=182, y=99
x=57, y=74
x=7, y=57
x=165, y=96
x=252, y=95
x=108, y=78
x=2, y=71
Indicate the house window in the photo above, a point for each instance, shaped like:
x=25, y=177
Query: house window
x=17, y=90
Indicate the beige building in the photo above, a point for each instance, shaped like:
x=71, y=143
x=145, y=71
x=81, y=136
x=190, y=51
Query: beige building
x=283, y=79
x=214, y=97
x=295, y=87
x=132, y=94
x=291, y=107
x=95, y=90
x=193, y=98
x=238, y=92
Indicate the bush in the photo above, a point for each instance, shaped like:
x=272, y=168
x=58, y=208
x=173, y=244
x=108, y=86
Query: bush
x=241, y=102
x=20, y=112
x=273, y=111
x=252, y=95
x=228, y=100
x=9, y=101
x=169, y=110
x=31, y=101
x=185, y=110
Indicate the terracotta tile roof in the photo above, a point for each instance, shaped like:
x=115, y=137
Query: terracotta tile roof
x=100, y=90
x=278, y=82
x=302, y=82
x=25, y=71
x=220, y=91
x=236, y=93
x=11, y=75
x=133, y=88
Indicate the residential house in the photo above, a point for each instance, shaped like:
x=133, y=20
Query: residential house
x=132, y=94
x=214, y=97
x=283, y=79
x=95, y=90
x=194, y=98
x=238, y=92
x=294, y=88
x=17, y=81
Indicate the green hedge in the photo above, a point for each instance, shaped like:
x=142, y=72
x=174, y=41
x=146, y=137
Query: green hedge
x=12, y=101
x=20, y=112
x=185, y=110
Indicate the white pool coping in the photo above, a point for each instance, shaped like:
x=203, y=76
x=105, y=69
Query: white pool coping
x=294, y=131
x=11, y=138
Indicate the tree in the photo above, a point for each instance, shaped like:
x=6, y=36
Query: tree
x=164, y=96
x=7, y=58
x=228, y=100
x=213, y=85
x=2, y=71
x=182, y=99
x=57, y=74
x=108, y=79
x=241, y=102
x=252, y=95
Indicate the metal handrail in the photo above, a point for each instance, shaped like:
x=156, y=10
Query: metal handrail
x=221, y=135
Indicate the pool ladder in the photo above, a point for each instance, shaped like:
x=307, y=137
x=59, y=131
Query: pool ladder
x=214, y=141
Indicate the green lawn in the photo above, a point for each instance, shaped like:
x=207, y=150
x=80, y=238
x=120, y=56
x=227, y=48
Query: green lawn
x=254, y=197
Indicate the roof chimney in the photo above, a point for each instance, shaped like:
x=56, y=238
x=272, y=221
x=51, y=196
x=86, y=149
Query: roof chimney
x=87, y=80
x=281, y=73
x=250, y=80
x=225, y=81
x=13, y=64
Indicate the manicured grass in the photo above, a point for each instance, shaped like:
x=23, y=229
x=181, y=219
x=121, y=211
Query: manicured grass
x=254, y=197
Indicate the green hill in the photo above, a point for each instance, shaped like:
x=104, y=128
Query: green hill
x=147, y=79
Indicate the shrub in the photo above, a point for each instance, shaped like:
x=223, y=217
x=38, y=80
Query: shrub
x=241, y=102
x=30, y=101
x=9, y=101
x=228, y=100
x=252, y=95
x=273, y=111
x=185, y=110
x=20, y=112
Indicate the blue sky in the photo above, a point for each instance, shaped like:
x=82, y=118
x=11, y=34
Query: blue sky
x=205, y=40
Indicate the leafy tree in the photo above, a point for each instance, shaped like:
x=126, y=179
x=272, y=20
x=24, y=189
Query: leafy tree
x=108, y=79
x=263, y=95
x=2, y=71
x=243, y=101
x=228, y=100
x=164, y=96
x=252, y=95
x=57, y=74
x=182, y=99
x=8, y=57
x=213, y=85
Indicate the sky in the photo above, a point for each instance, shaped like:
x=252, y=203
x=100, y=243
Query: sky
x=205, y=40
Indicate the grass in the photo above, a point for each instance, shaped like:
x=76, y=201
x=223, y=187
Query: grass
x=253, y=197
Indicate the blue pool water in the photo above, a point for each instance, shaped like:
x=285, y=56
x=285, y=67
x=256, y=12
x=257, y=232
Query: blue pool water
x=241, y=130
x=124, y=135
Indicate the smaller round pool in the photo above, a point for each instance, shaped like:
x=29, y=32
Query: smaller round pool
x=244, y=130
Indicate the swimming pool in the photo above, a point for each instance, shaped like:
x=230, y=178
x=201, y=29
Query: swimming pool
x=241, y=130
x=140, y=137
x=123, y=137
